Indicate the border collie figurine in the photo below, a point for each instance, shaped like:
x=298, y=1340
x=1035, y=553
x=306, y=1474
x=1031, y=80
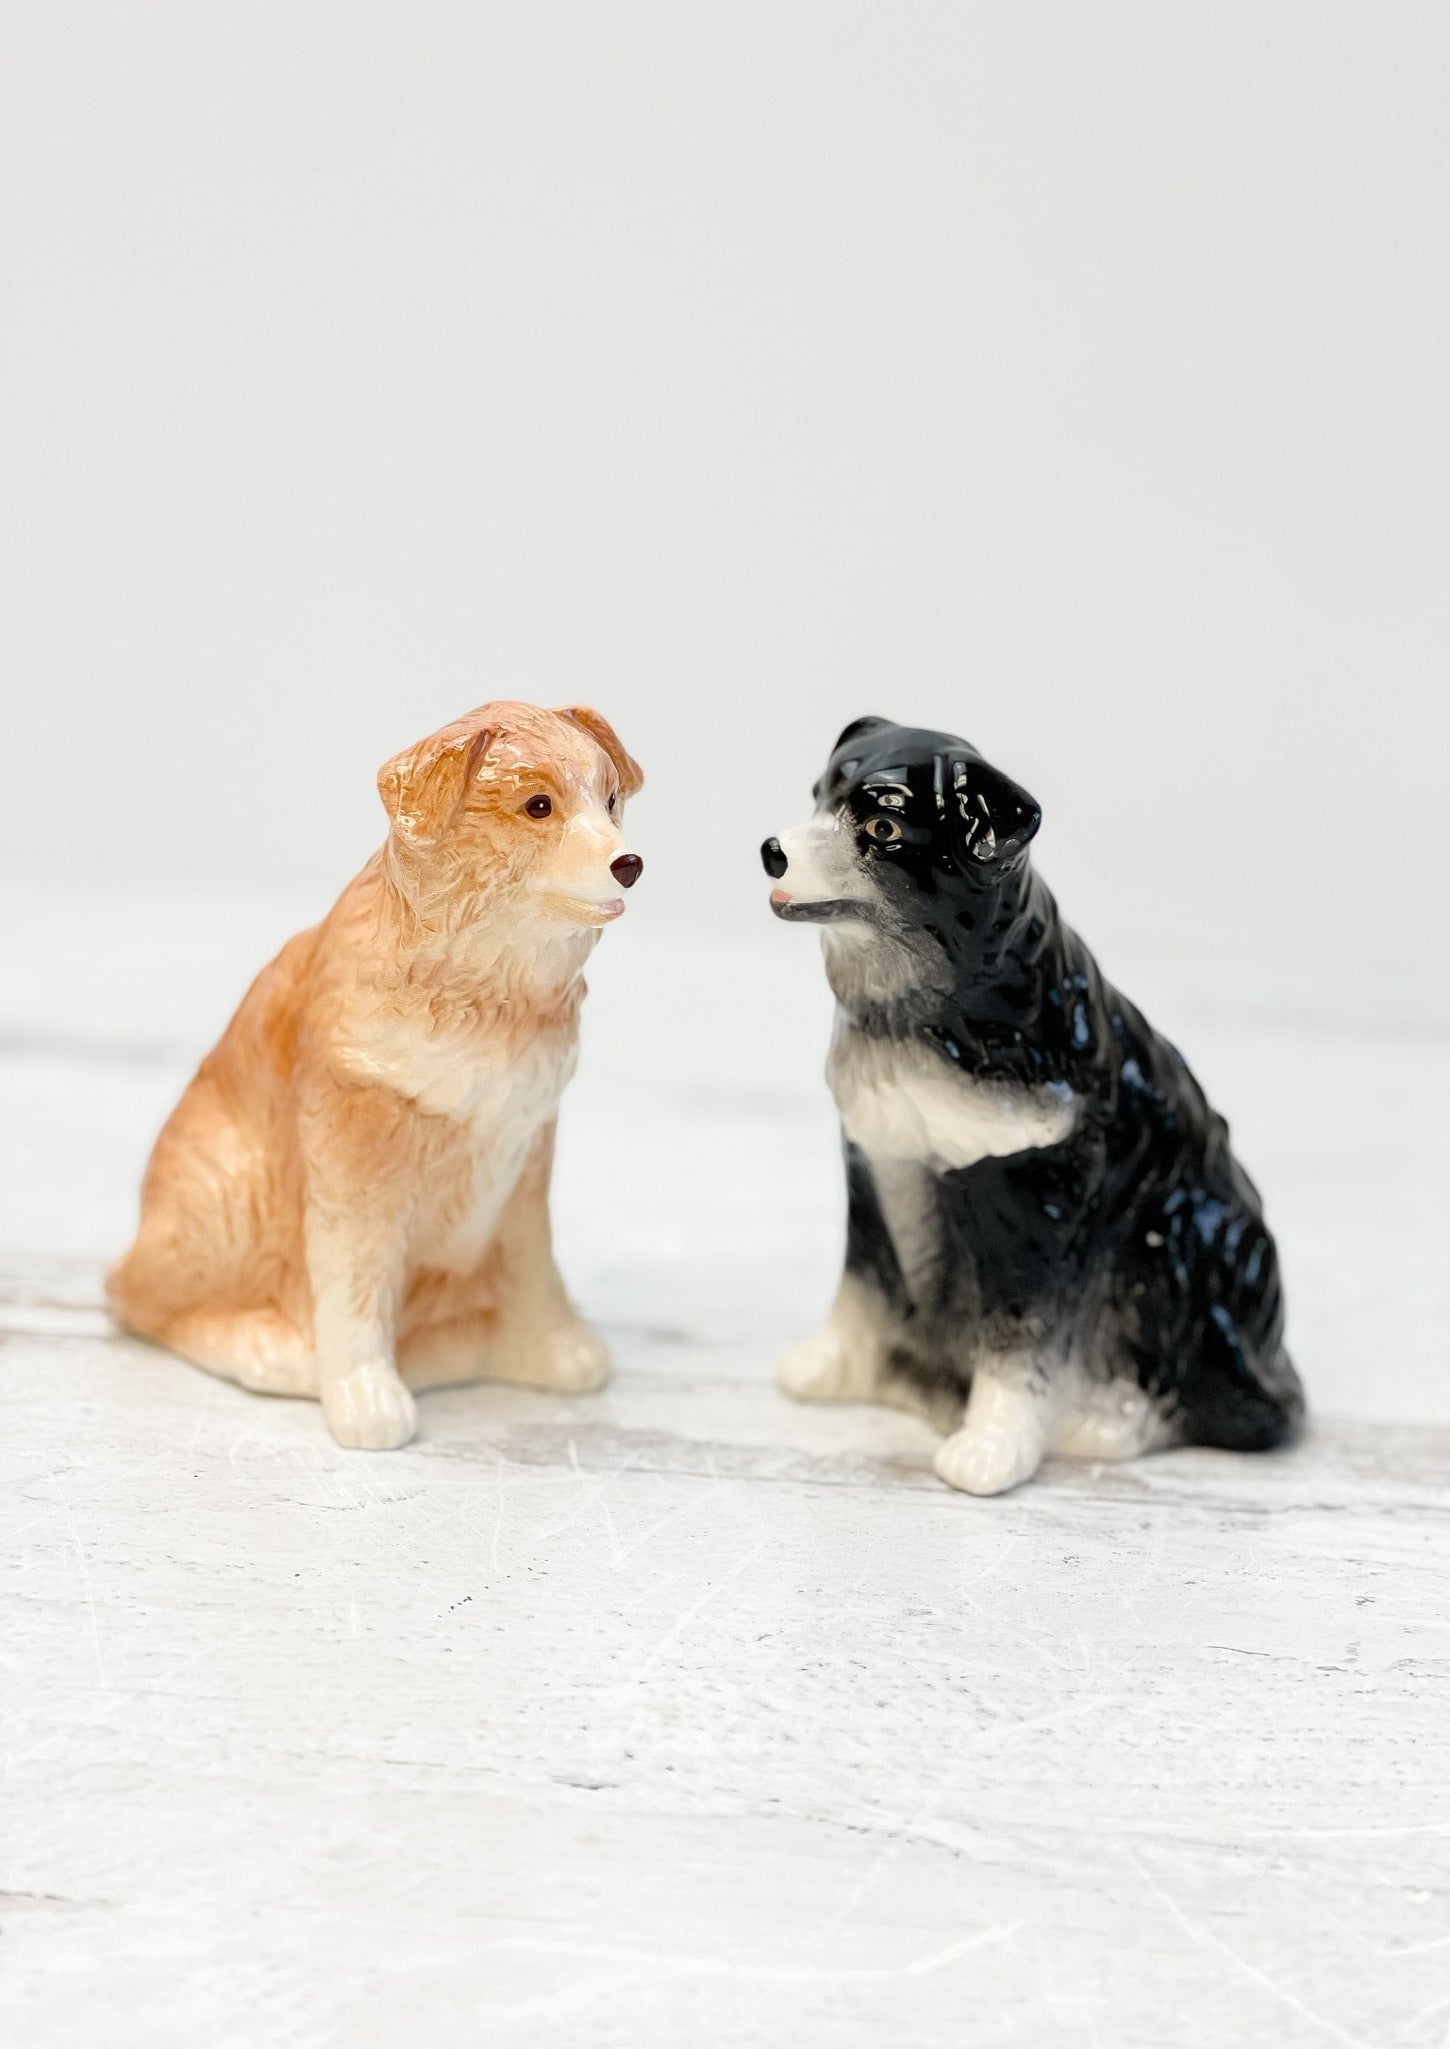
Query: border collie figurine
x=1050, y=1246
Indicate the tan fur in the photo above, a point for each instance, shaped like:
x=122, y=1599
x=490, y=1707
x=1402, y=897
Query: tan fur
x=353, y=1191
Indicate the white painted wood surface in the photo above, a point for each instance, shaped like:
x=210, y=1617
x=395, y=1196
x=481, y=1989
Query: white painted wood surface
x=681, y=1713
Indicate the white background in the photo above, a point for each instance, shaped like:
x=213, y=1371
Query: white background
x=1074, y=375
x=1071, y=375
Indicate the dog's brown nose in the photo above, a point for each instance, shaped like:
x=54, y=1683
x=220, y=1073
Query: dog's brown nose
x=626, y=870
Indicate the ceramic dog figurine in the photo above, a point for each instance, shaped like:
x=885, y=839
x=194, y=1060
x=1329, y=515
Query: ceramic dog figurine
x=1050, y=1246
x=351, y=1198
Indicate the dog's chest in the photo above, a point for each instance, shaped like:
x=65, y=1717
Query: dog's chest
x=469, y=1203
x=485, y=1081
x=902, y=1103
x=495, y=1100
x=459, y=1219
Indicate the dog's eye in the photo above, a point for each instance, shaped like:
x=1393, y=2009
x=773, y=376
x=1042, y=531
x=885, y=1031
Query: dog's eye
x=613, y=804
x=883, y=830
x=538, y=807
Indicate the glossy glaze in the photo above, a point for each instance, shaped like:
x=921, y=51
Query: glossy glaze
x=351, y=1199
x=1119, y=1253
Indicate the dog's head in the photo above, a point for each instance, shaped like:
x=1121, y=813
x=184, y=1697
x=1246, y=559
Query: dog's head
x=904, y=818
x=513, y=795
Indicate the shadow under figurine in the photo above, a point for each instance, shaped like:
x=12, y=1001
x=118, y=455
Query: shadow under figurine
x=352, y=1197
x=1050, y=1245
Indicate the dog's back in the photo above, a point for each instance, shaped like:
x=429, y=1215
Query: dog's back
x=1194, y=1300
x=221, y=1201
x=1134, y=1234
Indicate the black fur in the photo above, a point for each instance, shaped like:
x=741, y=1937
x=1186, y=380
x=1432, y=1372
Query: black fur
x=1137, y=1243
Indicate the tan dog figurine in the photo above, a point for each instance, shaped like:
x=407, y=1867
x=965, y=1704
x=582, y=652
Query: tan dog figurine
x=351, y=1198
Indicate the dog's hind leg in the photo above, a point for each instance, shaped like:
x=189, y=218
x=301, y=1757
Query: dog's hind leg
x=209, y=1265
x=1007, y=1428
x=1109, y=1420
x=446, y=1353
x=260, y=1349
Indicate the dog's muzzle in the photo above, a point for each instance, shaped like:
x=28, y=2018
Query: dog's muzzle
x=772, y=859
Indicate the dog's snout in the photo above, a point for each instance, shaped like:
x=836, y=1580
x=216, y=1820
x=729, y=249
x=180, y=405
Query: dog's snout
x=772, y=857
x=626, y=870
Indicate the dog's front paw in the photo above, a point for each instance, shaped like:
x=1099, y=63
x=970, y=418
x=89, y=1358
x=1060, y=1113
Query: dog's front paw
x=824, y=1368
x=369, y=1409
x=988, y=1459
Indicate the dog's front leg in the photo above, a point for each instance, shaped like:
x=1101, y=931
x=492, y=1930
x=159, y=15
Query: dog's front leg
x=539, y=1338
x=354, y=1227
x=355, y=1272
x=1007, y=1427
x=848, y=1358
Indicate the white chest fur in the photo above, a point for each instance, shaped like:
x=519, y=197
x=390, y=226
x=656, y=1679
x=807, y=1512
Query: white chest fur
x=487, y=1087
x=901, y=1101
x=499, y=1098
x=455, y=1230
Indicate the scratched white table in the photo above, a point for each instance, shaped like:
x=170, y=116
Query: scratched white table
x=680, y=1713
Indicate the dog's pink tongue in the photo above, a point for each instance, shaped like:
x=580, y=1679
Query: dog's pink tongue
x=780, y=896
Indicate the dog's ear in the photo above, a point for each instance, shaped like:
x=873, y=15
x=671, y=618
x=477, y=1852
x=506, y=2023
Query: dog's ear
x=423, y=787
x=856, y=728
x=990, y=817
x=631, y=776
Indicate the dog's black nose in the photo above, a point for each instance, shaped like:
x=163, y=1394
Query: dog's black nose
x=626, y=870
x=772, y=859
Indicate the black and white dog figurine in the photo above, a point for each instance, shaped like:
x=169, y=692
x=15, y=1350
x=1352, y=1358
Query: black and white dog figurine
x=1050, y=1246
